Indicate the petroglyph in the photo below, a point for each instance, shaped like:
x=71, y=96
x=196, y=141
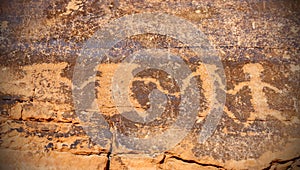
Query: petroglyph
x=40, y=41
x=258, y=97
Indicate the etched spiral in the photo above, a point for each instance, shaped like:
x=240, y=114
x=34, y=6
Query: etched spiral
x=97, y=49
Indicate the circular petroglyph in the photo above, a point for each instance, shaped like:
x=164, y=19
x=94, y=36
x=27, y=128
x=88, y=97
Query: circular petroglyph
x=147, y=62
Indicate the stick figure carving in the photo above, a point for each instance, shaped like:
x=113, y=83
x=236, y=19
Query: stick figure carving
x=259, y=100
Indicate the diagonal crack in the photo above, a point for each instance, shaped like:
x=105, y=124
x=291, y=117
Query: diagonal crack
x=277, y=161
x=191, y=161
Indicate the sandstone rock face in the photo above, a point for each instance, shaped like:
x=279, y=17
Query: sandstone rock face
x=44, y=126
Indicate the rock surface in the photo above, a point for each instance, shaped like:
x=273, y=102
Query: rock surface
x=257, y=42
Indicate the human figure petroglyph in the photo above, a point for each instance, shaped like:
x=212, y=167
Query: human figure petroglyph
x=259, y=99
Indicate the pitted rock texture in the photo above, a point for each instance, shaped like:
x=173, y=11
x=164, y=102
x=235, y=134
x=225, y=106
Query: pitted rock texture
x=257, y=41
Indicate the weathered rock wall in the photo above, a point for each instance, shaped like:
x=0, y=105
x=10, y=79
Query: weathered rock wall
x=257, y=41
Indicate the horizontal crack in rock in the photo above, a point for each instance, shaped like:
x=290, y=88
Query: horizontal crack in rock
x=193, y=161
